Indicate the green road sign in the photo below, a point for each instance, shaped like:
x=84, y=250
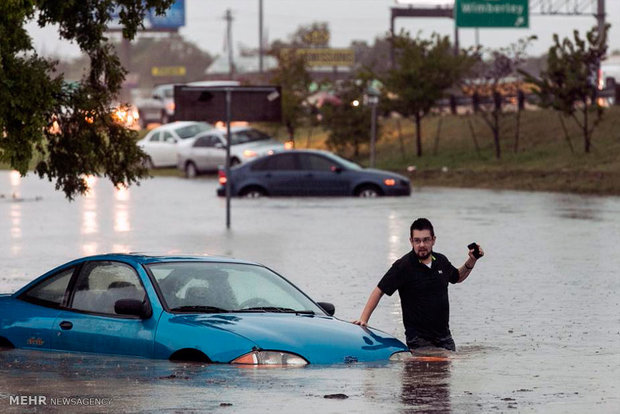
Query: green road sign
x=492, y=13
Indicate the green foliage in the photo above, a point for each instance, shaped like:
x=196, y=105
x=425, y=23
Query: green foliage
x=69, y=129
x=293, y=76
x=425, y=69
x=348, y=124
x=568, y=84
x=495, y=77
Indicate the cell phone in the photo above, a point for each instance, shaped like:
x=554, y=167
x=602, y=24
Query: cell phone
x=473, y=246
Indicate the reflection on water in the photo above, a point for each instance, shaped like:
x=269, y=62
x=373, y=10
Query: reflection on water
x=426, y=386
x=90, y=224
x=16, y=228
x=121, y=210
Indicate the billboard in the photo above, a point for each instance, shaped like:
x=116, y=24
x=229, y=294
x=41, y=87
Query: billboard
x=172, y=20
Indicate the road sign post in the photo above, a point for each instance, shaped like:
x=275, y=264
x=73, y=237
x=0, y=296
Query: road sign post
x=212, y=104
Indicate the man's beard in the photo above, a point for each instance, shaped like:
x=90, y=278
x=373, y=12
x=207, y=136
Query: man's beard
x=424, y=256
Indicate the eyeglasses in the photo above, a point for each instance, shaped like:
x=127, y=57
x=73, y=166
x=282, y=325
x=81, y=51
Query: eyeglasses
x=425, y=240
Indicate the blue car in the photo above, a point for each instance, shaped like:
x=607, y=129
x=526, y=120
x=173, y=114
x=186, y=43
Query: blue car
x=183, y=308
x=310, y=173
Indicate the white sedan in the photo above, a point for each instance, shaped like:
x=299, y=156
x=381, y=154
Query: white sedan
x=207, y=151
x=160, y=144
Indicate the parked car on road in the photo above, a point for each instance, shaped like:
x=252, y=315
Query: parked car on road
x=207, y=151
x=310, y=173
x=183, y=308
x=160, y=144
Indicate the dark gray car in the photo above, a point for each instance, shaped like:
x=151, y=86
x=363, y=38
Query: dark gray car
x=311, y=173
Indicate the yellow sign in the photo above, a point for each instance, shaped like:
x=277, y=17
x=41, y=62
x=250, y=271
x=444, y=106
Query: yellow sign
x=328, y=57
x=168, y=71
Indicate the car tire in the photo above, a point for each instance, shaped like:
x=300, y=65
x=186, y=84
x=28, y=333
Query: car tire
x=234, y=161
x=253, y=192
x=368, y=191
x=190, y=170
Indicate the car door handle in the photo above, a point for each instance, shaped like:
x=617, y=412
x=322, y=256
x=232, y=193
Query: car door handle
x=66, y=325
x=268, y=175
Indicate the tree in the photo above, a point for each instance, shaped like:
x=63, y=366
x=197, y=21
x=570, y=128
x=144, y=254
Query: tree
x=294, y=79
x=68, y=128
x=425, y=69
x=292, y=72
x=349, y=122
x=568, y=85
x=493, y=78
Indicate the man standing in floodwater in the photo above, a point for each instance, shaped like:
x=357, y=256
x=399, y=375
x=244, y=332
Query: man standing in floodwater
x=421, y=278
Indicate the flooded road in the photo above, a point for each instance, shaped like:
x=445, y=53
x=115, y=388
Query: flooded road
x=537, y=324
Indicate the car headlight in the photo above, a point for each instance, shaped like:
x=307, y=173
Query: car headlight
x=400, y=356
x=270, y=358
x=249, y=153
x=390, y=182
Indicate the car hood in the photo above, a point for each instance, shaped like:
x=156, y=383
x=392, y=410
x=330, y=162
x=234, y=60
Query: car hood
x=319, y=339
x=384, y=174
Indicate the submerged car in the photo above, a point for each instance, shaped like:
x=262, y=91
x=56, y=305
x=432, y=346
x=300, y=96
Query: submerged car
x=183, y=308
x=160, y=144
x=207, y=151
x=310, y=173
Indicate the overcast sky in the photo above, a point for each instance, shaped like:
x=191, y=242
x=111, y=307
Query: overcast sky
x=348, y=20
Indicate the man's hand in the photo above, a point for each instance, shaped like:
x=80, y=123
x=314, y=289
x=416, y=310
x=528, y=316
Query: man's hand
x=360, y=322
x=471, y=253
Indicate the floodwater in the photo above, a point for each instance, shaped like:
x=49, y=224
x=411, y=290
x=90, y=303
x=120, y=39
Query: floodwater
x=537, y=324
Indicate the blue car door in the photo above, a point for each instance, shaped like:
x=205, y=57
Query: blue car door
x=322, y=176
x=29, y=321
x=280, y=175
x=90, y=324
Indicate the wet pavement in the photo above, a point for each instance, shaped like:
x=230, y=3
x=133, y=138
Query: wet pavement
x=536, y=324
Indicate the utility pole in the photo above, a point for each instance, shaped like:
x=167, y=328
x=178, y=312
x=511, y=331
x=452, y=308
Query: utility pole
x=260, y=36
x=228, y=17
x=600, y=17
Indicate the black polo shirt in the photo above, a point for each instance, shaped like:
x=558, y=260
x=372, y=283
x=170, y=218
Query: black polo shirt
x=423, y=294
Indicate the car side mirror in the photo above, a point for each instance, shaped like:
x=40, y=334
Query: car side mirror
x=336, y=169
x=328, y=308
x=133, y=307
x=171, y=140
x=218, y=145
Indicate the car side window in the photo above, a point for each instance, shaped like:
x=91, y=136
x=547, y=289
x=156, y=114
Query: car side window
x=202, y=142
x=51, y=291
x=316, y=163
x=154, y=137
x=280, y=162
x=100, y=284
x=168, y=137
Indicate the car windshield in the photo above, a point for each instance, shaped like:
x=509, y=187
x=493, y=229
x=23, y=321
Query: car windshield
x=247, y=135
x=207, y=287
x=189, y=131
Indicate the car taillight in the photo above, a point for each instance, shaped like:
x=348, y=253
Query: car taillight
x=222, y=177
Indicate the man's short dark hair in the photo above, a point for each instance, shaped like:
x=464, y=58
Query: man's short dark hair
x=421, y=224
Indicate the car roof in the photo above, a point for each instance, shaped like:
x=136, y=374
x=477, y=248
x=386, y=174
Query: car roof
x=144, y=258
x=176, y=124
